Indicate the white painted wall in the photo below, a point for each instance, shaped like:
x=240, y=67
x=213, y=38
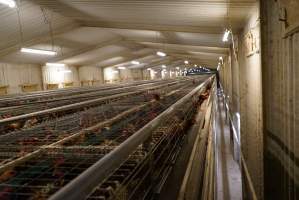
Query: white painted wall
x=14, y=75
x=127, y=75
x=146, y=74
x=241, y=78
x=57, y=75
x=91, y=73
x=111, y=75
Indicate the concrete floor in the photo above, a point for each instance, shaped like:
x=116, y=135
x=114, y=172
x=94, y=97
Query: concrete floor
x=229, y=184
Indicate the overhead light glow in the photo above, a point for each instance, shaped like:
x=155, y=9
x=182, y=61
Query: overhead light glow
x=55, y=64
x=134, y=62
x=186, y=62
x=39, y=51
x=114, y=71
x=149, y=68
x=65, y=71
x=195, y=65
x=9, y=3
x=225, y=36
x=121, y=68
x=160, y=53
x=221, y=58
x=177, y=68
x=163, y=66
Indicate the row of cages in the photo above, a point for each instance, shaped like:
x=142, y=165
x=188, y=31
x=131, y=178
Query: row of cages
x=38, y=160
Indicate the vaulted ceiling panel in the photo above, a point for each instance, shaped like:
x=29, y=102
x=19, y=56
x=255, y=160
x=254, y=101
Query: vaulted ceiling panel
x=113, y=33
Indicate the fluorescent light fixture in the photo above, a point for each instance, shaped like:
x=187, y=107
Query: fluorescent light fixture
x=225, y=36
x=9, y=3
x=186, y=62
x=177, y=68
x=155, y=72
x=55, y=64
x=121, y=68
x=160, y=53
x=134, y=62
x=39, y=51
x=149, y=68
x=65, y=71
x=114, y=71
x=163, y=66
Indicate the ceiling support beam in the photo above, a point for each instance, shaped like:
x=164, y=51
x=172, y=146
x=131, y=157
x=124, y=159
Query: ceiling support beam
x=87, y=49
x=129, y=59
x=151, y=27
x=37, y=40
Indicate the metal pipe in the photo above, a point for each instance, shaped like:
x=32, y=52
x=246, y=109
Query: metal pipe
x=83, y=185
x=78, y=105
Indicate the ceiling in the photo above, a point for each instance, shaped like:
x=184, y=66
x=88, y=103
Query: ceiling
x=115, y=32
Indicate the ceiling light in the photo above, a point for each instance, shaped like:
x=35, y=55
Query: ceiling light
x=38, y=51
x=163, y=66
x=149, y=68
x=134, y=62
x=186, y=62
x=9, y=3
x=121, y=68
x=225, y=36
x=114, y=71
x=55, y=64
x=195, y=65
x=66, y=71
x=160, y=53
x=177, y=68
x=220, y=58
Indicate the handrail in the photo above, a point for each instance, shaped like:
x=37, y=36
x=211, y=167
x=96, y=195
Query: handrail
x=83, y=185
x=208, y=190
x=243, y=161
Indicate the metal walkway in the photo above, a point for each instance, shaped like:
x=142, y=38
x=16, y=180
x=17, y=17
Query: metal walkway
x=229, y=182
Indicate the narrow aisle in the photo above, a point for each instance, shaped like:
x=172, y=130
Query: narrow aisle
x=229, y=184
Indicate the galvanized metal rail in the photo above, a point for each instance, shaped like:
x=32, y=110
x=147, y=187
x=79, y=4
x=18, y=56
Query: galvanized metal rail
x=84, y=184
x=21, y=143
x=47, y=102
x=39, y=116
x=56, y=162
x=18, y=99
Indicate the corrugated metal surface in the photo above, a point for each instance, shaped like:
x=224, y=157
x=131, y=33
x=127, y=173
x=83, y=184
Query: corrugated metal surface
x=248, y=102
x=13, y=75
x=59, y=75
x=210, y=13
x=281, y=83
x=32, y=21
x=91, y=73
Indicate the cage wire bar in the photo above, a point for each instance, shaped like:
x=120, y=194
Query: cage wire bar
x=33, y=118
x=19, y=143
x=84, y=184
x=39, y=161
